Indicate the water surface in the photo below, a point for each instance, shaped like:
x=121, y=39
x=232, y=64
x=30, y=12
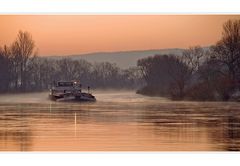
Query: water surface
x=118, y=121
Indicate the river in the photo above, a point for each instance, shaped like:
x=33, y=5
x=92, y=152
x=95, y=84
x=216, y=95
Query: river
x=118, y=121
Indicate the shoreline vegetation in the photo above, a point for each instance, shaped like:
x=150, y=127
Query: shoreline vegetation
x=199, y=74
x=21, y=70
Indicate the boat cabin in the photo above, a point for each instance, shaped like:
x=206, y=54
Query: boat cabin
x=66, y=87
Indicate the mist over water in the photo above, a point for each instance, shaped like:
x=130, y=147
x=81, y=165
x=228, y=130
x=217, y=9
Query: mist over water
x=119, y=121
x=39, y=98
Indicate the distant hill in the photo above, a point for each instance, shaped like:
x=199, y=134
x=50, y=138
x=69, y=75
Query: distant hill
x=123, y=59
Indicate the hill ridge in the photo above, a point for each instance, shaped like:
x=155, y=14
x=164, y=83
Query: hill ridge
x=123, y=59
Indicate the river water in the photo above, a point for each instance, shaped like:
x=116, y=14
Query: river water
x=118, y=121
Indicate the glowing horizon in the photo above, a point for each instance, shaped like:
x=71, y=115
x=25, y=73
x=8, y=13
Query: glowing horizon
x=80, y=34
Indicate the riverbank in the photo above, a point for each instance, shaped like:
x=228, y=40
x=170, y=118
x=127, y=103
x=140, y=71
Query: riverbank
x=190, y=95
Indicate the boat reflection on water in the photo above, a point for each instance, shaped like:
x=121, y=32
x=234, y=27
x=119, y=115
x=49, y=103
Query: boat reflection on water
x=119, y=123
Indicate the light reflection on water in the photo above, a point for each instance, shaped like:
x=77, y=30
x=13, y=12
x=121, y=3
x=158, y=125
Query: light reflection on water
x=119, y=121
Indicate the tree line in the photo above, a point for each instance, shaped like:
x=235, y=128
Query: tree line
x=21, y=70
x=211, y=73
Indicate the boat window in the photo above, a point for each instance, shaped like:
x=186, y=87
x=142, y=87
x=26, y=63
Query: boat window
x=65, y=83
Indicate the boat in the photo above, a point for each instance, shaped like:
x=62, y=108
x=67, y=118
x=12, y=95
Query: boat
x=69, y=91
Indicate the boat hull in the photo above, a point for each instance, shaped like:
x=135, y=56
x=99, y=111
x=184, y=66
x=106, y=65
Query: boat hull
x=78, y=98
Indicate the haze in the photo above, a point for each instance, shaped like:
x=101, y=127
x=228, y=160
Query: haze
x=78, y=34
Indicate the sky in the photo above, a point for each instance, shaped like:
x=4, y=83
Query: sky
x=79, y=34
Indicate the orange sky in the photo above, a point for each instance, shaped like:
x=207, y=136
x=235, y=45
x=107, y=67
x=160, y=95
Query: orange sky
x=67, y=34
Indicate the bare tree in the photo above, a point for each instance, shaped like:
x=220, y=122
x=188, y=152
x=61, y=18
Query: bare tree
x=180, y=74
x=227, y=51
x=22, y=50
x=193, y=58
x=5, y=69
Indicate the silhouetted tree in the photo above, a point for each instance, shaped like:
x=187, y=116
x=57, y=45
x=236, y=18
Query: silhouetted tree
x=132, y=78
x=164, y=75
x=193, y=57
x=227, y=53
x=5, y=69
x=180, y=74
x=22, y=50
